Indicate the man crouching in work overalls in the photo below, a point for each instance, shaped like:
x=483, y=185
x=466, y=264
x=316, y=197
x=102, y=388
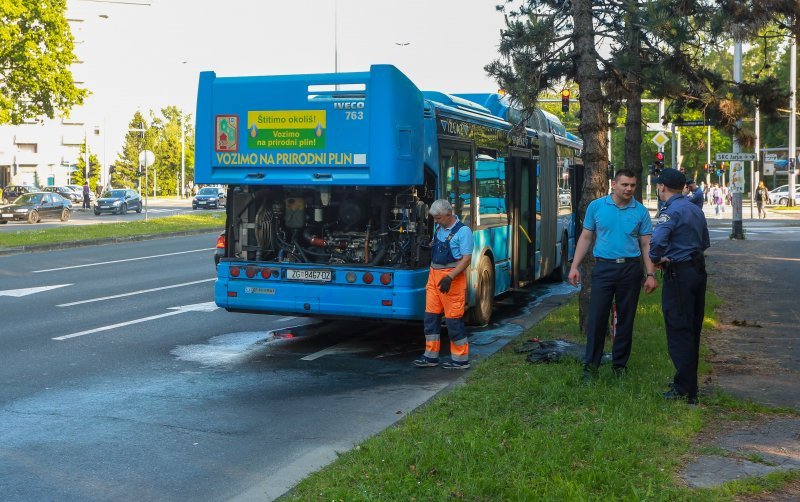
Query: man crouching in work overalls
x=451, y=254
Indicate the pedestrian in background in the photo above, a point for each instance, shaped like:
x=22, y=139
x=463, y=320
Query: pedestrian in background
x=622, y=226
x=445, y=292
x=695, y=195
x=679, y=240
x=86, y=193
x=762, y=197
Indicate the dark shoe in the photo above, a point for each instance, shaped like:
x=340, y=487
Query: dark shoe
x=426, y=362
x=674, y=395
x=455, y=365
x=620, y=371
x=588, y=376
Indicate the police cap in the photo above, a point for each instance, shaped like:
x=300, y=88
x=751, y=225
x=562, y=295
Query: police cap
x=672, y=178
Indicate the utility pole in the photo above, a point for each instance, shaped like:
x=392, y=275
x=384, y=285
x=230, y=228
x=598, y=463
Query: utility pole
x=737, y=232
x=792, y=154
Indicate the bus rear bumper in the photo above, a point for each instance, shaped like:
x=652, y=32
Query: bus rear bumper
x=334, y=300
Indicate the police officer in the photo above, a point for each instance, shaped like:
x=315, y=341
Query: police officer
x=677, y=245
x=445, y=292
x=623, y=227
x=695, y=194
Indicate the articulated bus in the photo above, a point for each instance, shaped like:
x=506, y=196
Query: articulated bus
x=330, y=178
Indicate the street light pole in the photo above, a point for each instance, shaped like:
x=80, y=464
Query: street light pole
x=183, y=156
x=737, y=232
x=792, y=154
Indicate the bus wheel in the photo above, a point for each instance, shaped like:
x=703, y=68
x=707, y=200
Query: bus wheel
x=481, y=312
x=562, y=272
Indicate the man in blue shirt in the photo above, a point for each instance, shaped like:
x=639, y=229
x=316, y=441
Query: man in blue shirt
x=622, y=228
x=445, y=292
x=679, y=239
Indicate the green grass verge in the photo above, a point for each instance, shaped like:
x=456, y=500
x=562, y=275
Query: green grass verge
x=73, y=233
x=519, y=431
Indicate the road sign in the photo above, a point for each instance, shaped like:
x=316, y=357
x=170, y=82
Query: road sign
x=690, y=123
x=660, y=139
x=734, y=156
x=146, y=158
x=770, y=157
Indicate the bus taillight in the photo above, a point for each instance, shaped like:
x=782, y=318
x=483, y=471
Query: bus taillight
x=235, y=271
x=265, y=273
x=386, y=278
x=367, y=278
x=251, y=272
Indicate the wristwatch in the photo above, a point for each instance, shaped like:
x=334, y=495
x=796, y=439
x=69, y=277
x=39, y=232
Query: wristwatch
x=650, y=274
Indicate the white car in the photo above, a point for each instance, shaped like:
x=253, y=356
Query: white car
x=780, y=195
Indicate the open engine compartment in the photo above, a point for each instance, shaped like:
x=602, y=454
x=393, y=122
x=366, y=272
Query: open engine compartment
x=330, y=225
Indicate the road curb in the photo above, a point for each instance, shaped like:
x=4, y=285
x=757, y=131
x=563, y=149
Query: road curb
x=98, y=242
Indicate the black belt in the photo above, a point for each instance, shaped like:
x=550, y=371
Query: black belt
x=618, y=260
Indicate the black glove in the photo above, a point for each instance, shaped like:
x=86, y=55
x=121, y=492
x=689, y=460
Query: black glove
x=444, y=284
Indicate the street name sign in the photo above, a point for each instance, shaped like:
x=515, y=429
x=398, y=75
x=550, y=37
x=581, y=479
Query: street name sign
x=770, y=157
x=734, y=156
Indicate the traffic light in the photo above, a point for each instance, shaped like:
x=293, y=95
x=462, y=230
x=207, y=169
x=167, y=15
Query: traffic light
x=565, y=100
x=659, y=163
x=705, y=168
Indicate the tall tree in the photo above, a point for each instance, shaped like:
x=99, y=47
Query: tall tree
x=546, y=44
x=36, y=51
x=126, y=167
x=93, y=171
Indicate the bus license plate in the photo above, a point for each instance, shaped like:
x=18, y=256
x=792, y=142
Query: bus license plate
x=308, y=275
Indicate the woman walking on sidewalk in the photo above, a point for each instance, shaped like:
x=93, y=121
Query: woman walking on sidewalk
x=762, y=197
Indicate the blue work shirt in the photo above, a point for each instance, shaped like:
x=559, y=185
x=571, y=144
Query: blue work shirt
x=461, y=243
x=617, y=228
x=681, y=230
x=697, y=198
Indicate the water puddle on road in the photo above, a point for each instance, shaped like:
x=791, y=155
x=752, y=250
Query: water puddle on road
x=231, y=348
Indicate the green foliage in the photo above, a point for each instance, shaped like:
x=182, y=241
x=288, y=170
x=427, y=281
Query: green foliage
x=78, y=176
x=162, y=137
x=35, y=59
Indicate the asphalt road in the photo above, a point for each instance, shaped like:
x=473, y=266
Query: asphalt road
x=120, y=380
x=156, y=208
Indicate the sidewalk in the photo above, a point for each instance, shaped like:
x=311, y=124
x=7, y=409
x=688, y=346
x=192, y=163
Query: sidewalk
x=755, y=355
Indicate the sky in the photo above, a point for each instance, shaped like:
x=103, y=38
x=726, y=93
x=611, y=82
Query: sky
x=139, y=57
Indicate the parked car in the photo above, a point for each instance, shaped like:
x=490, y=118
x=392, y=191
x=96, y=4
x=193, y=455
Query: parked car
x=79, y=190
x=11, y=192
x=65, y=192
x=35, y=206
x=118, y=200
x=780, y=195
x=209, y=197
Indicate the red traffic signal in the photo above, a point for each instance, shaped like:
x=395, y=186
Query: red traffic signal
x=660, y=156
x=565, y=100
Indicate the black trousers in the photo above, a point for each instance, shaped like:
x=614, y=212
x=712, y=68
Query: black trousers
x=683, y=300
x=612, y=281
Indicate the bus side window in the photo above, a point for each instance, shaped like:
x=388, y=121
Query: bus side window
x=456, y=169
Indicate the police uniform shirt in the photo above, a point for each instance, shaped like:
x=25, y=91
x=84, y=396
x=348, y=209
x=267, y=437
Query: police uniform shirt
x=461, y=243
x=681, y=230
x=617, y=229
x=697, y=198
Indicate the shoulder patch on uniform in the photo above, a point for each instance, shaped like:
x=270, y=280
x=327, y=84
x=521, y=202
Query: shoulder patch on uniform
x=663, y=218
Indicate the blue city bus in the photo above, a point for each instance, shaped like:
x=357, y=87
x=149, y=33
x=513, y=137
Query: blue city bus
x=330, y=178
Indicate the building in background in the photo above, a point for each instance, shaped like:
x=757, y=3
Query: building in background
x=46, y=153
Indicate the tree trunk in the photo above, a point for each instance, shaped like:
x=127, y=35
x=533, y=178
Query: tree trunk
x=593, y=129
x=633, y=86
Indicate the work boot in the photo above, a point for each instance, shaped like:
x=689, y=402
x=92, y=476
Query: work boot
x=674, y=395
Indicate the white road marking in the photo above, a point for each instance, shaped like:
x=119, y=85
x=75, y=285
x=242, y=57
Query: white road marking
x=122, y=261
x=197, y=307
x=132, y=293
x=17, y=293
x=284, y=319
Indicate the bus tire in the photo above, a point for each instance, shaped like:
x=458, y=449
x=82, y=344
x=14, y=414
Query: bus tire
x=481, y=313
x=561, y=273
